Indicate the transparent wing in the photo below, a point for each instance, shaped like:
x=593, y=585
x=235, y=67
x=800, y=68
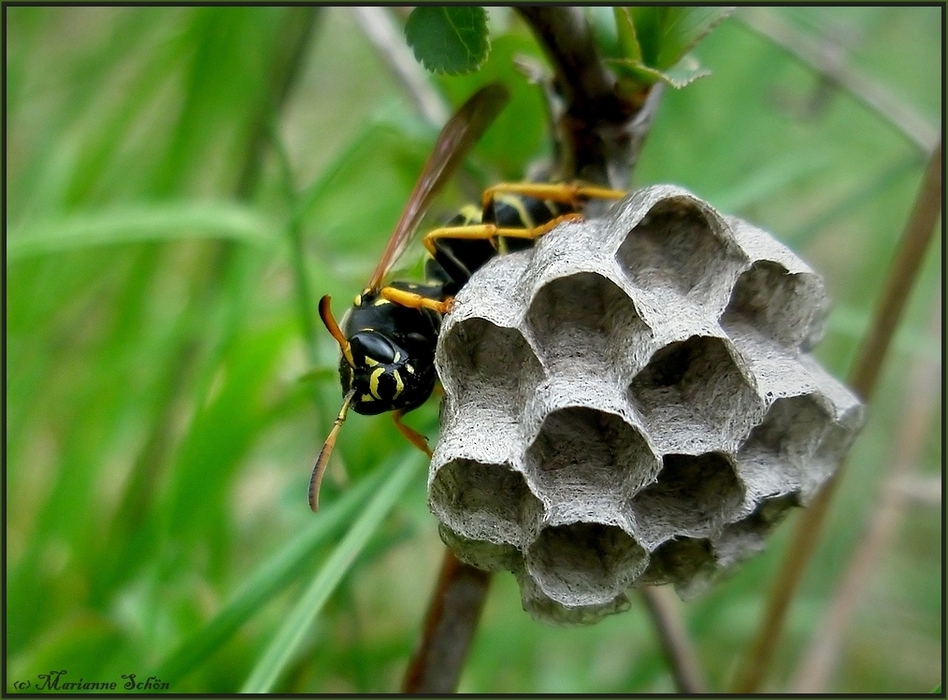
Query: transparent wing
x=455, y=140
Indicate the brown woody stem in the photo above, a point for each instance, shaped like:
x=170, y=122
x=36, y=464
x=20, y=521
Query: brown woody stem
x=452, y=618
x=863, y=380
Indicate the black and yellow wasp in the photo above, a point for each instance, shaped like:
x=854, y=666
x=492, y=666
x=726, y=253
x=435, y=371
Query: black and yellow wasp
x=389, y=335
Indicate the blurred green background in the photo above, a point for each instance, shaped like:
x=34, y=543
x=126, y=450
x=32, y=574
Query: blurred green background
x=165, y=404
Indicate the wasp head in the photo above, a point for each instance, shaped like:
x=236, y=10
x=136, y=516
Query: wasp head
x=382, y=369
x=382, y=375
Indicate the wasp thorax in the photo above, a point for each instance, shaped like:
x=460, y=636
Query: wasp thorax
x=632, y=402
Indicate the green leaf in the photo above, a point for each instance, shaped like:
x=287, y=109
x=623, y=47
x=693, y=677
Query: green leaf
x=159, y=222
x=655, y=42
x=292, y=633
x=627, y=38
x=687, y=70
x=666, y=34
x=450, y=40
x=604, y=23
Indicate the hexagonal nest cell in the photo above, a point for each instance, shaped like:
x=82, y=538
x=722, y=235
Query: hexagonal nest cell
x=488, y=502
x=584, y=563
x=581, y=452
x=694, y=397
x=777, y=304
x=693, y=496
x=631, y=402
x=584, y=318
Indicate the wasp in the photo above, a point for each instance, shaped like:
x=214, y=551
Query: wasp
x=388, y=336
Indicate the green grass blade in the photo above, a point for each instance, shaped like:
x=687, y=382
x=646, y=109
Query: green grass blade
x=291, y=634
x=269, y=579
x=175, y=220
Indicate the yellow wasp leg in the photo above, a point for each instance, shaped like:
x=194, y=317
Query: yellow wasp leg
x=415, y=301
x=489, y=231
x=412, y=435
x=564, y=193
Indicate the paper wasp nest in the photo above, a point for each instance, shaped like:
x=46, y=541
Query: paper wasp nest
x=632, y=402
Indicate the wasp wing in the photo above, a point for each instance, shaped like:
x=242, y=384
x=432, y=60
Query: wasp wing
x=457, y=137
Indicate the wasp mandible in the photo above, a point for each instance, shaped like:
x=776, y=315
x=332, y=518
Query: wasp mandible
x=388, y=336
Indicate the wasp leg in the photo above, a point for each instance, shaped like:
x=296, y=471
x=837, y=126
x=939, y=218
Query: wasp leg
x=415, y=301
x=491, y=231
x=413, y=436
x=564, y=193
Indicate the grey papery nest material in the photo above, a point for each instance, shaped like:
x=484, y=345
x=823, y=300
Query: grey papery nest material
x=633, y=402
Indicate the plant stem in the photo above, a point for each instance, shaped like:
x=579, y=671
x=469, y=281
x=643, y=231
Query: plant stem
x=915, y=239
x=863, y=380
x=600, y=131
x=820, y=658
x=831, y=65
x=663, y=606
x=299, y=25
x=294, y=37
x=389, y=41
x=450, y=624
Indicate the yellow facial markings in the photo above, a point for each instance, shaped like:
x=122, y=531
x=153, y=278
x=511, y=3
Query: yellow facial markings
x=371, y=362
x=374, y=381
x=398, y=384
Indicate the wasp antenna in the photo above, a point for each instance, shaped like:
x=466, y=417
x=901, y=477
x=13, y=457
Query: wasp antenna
x=325, y=313
x=316, y=479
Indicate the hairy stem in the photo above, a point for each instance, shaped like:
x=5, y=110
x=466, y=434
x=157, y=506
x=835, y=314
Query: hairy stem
x=600, y=130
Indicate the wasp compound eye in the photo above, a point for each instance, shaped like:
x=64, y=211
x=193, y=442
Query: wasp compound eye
x=372, y=347
x=633, y=402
